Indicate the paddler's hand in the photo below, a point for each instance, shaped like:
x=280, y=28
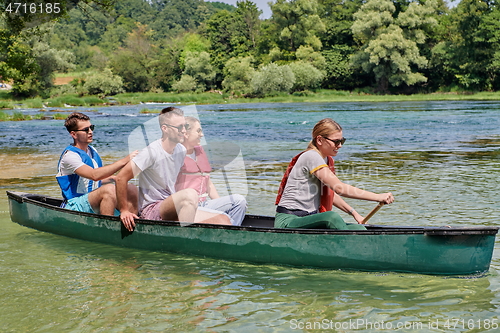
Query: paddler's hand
x=386, y=198
x=128, y=220
x=358, y=217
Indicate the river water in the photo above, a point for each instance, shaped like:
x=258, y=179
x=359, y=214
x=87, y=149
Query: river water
x=440, y=159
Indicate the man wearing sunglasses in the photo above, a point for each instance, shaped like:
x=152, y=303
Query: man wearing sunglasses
x=85, y=183
x=156, y=168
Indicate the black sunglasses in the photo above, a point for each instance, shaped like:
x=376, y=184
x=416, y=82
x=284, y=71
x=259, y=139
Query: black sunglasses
x=86, y=129
x=336, y=142
x=179, y=128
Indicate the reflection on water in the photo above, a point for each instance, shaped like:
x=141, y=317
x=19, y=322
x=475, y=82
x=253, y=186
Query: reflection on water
x=440, y=159
x=95, y=286
x=26, y=165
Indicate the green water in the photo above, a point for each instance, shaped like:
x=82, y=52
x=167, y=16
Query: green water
x=443, y=167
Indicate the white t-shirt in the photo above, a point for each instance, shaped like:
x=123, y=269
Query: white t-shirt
x=303, y=188
x=159, y=171
x=72, y=161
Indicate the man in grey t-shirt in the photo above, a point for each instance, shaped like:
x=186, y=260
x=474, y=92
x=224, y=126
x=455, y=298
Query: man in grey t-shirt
x=157, y=167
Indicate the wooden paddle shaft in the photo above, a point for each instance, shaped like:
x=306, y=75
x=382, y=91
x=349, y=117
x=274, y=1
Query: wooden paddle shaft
x=374, y=210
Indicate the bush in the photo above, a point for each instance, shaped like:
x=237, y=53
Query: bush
x=59, y=116
x=307, y=54
x=306, y=76
x=198, y=66
x=147, y=111
x=103, y=83
x=6, y=105
x=4, y=116
x=92, y=100
x=272, y=79
x=238, y=74
x=33, y=103
x=187, y=83
x=18, y=115
x=64, y=89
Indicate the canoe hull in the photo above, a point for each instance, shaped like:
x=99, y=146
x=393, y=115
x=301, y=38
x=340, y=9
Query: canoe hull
x=406, y=250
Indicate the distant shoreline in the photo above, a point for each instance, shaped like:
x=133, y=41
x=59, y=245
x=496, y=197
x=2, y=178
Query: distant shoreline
x=217, y=97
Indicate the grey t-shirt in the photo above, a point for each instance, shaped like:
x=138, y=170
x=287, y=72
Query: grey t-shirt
x=303, y=189
x=159, y=171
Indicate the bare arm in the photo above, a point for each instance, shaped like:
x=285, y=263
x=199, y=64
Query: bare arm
x=327, y=177
x=212, y=191
x=105, y=171
x=122, y=178
x=344, y=206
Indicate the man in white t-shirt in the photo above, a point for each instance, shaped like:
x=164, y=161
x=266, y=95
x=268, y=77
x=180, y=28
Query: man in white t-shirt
x=156, y=168
x=81, y=172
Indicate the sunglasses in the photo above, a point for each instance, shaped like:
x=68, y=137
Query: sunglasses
x=179, y=128
x=86, y=129
x=336, y=142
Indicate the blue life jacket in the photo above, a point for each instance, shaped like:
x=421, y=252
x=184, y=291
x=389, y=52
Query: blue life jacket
x=69, y=183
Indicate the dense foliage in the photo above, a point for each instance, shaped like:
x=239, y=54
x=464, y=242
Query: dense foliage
x=388, y=46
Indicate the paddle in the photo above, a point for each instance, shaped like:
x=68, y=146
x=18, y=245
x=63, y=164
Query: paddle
x=374, y=210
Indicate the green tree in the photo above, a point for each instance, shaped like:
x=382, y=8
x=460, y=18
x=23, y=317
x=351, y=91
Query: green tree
x=298, y=23
x=135, y=10
x=17, y=63
x=30, y=62
x=232, y=34
x=217, y=5
x=103, y=83
x=135, y=63
x=219, y=32
x=339, y=74
x=26, y=55
x=248, y=22
x=390, y=43
x=168, y=69
x=475, y=61
x=438, y=37
x=491, y=27
x=50, y=61
x=198, y=66
x=307, y=54
x=49, y=12
x=173, y=17
x=337, y=16
x=193, y=43
x=116, y=34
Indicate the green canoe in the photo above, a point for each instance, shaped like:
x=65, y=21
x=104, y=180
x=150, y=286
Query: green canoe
x=426, y=250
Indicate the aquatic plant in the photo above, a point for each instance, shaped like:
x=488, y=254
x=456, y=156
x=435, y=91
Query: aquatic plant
x=92, y=100
x=4, y=116
x=59, y=116
x=6, y=105
x=146, y=110
x=18, y=115
x=33, y=103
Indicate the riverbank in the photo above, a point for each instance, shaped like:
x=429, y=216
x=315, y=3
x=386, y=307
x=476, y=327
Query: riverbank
x=217, y=97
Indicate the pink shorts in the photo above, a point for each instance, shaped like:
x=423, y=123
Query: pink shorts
x=152, y=211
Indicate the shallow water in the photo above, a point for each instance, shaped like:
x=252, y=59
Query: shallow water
x=440, y=159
